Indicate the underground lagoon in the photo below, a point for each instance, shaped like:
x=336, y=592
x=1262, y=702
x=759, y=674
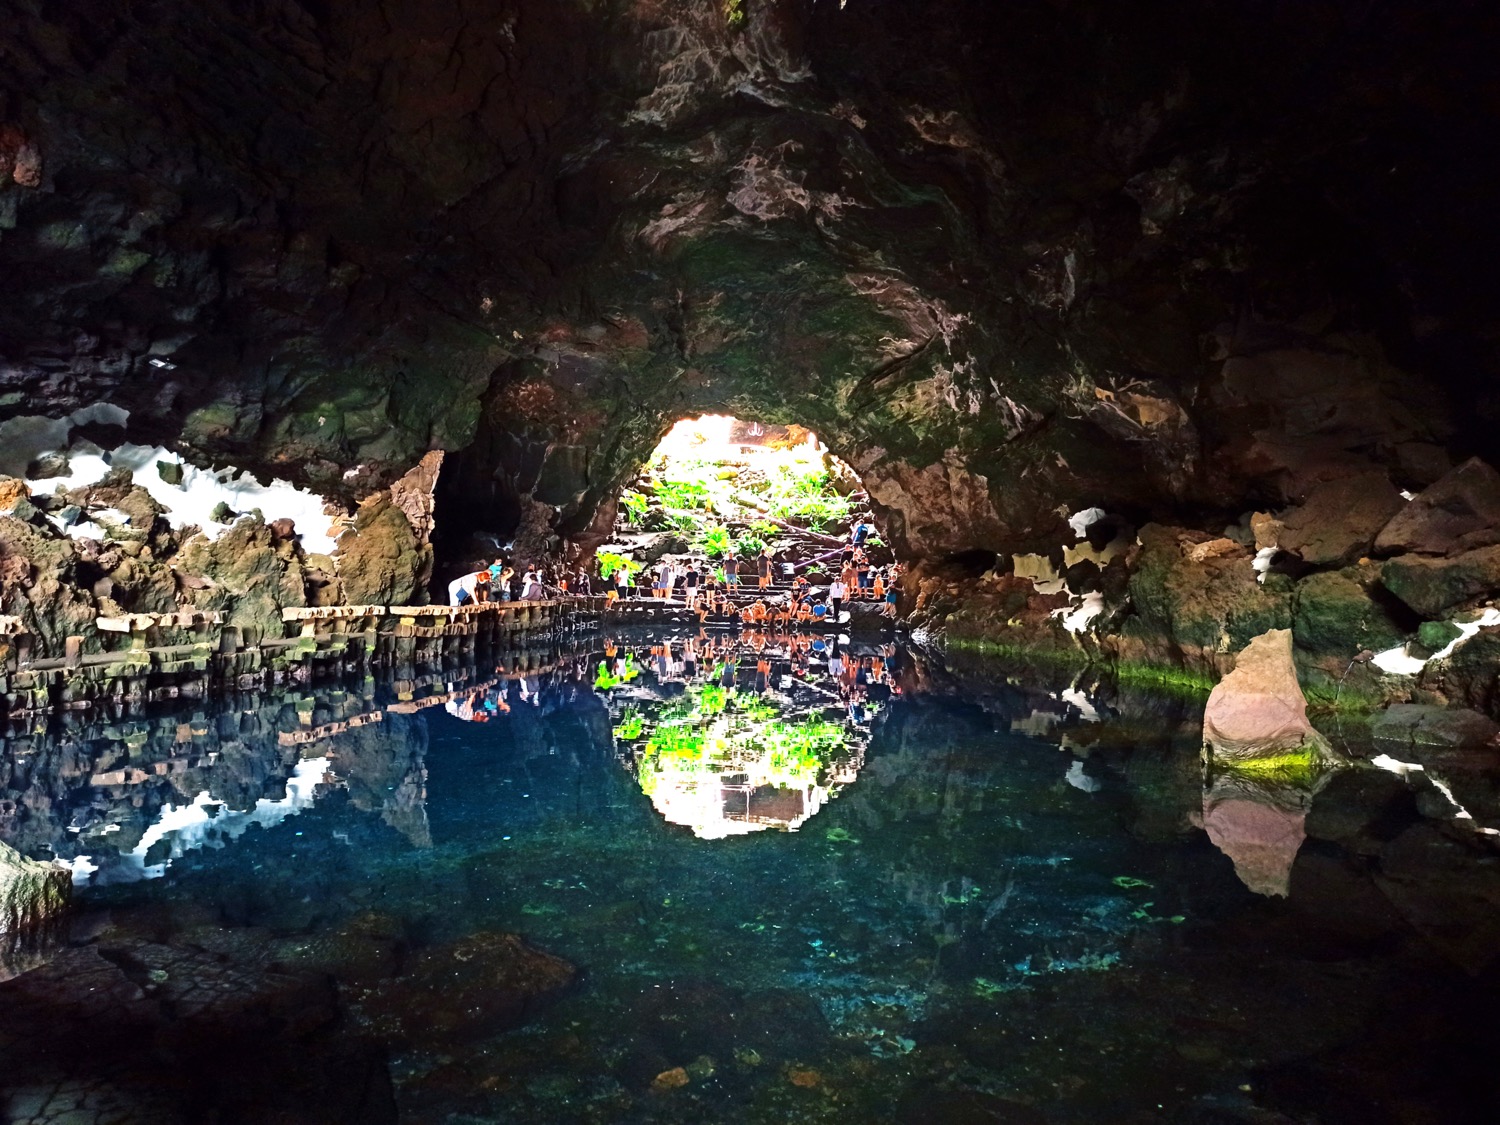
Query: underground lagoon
x=749, y=560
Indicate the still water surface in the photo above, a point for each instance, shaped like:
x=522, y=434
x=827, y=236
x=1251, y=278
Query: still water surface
x=753, y=881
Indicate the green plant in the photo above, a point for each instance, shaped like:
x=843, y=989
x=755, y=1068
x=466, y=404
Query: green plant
x=633, y=504
x=609, y=563
x=716, y=542
x=734, y=12
x=750, y=546
x=632, y=724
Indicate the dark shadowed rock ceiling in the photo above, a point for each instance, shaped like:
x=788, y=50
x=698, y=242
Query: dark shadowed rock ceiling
x=1174, y=260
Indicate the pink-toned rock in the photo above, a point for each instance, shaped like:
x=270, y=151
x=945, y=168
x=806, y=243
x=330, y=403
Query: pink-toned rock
x=1260, y=839
x=1258, y=710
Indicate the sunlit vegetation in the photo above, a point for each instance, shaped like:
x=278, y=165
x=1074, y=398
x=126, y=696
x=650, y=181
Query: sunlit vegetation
x=718, y=494
x=609, y=563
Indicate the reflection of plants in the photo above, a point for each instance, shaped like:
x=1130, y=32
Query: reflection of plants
x=712, y=730
x=632, y=724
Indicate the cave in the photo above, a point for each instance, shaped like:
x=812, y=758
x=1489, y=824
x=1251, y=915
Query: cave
x=1156, y=344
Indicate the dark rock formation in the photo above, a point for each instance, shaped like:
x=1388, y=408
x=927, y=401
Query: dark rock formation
x=1009, y=261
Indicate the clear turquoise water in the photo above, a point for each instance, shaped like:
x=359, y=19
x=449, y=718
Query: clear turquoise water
x=998, y=905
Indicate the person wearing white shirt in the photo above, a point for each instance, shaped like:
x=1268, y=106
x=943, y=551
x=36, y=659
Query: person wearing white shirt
x=837, y=592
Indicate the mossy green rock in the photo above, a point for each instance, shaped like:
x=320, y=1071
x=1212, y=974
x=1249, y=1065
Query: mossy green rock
x=380, y=559
x=31, y=894
x=1437, y=635
x=253, y=576
x=1336, y=615
x=1434, y=586
x=1200, y=601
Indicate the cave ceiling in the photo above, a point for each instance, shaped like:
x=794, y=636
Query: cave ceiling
x=1008, y=259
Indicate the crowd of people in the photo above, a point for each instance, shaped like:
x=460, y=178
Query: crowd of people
x=762, y=660
x=502, y=582
x=716, y=590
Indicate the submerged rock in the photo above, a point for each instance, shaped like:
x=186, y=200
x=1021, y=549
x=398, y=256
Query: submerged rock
x=1258, y=711
x=479, y=985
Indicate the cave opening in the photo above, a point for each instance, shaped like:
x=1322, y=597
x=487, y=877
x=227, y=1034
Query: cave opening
x=718, y=487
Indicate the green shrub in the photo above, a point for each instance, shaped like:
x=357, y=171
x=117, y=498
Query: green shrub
x=716, y=542
x=609, y=563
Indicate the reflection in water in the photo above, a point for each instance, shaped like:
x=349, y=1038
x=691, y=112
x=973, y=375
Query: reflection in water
x=729, y=735
x=1260, y=825
x=985, y=927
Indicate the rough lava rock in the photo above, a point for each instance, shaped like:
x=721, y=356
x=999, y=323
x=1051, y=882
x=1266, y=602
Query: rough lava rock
x=1433, y=586
x=1452, y=516
x=32, y=895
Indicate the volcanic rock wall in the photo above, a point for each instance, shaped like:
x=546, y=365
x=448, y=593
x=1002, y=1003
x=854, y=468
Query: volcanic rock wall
x=1195, y=265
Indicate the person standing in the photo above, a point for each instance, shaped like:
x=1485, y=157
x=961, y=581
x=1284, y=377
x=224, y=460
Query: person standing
x=837, y=592
x=764, y=563
x=863, y=574
x=731, y=572
x=690, y=584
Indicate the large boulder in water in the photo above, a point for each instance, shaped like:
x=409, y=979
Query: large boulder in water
x=1258, y=710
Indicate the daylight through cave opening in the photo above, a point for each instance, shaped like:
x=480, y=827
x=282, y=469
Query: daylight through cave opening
x=718, y=488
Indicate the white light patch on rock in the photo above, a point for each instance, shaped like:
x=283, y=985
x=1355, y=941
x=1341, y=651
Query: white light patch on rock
x=202, y=490
x=1398, y=662
x=1080, y=522
x=1078, y=618
x=1038, y=568
x=1262, y=562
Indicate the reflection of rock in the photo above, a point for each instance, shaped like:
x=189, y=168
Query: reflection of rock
x=1447, y=890
x=383, y=767
x=1408, y=725
x=1258, y=710
x=32, y=898
x=479, y=985
x=1260, y=827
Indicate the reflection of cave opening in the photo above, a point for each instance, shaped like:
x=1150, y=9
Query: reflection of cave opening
x=718, y=487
